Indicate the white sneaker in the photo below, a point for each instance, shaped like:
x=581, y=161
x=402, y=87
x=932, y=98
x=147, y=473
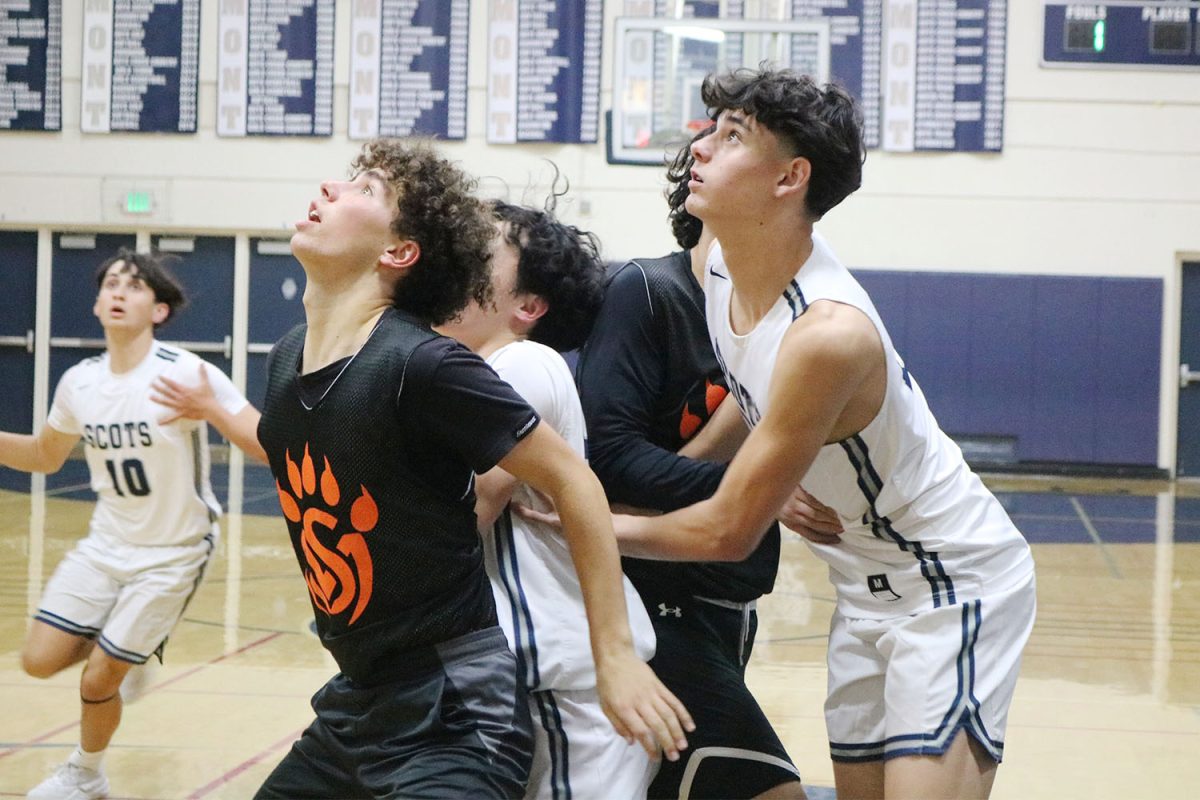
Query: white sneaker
x=71, y=782
x=137, y=681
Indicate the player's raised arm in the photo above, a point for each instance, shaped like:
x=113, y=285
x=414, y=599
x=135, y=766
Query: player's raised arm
x=199, y=401
x=824, y=364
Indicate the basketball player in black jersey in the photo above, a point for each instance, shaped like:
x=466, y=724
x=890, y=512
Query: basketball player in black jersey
x=652, y=394
x=375, y=427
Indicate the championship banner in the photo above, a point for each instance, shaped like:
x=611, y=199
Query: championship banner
x=141, y=66
x=943, y=68
x=275, y=67
x=408, y=68
x=31, y=65
x=544, y=71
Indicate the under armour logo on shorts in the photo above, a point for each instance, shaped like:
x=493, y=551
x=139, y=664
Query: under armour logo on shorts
x=879, y=586
x=663, y=611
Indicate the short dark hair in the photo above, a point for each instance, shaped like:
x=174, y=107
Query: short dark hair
x=822, y=124
x=561, y=264
x=684, y=226
x=154, y=270
x=436, y=208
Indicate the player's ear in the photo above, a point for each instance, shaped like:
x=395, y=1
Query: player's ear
x=401, y=255
x=795, y=176
x=160, y=313
x=531, y=308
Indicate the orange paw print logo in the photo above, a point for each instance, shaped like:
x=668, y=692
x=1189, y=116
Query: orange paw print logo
x=689, y=422
x=336, y=578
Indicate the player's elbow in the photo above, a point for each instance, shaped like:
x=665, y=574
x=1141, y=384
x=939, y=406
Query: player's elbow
x=49, y=463
x=256, y=452
x=730, y=543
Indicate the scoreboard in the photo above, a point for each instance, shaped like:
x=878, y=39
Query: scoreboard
x=1150, y=35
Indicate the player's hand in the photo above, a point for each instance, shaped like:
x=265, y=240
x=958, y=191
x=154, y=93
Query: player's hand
x=812, y=519
x=640, y=707
x=190, y=401
x=622, y=523
x=550, y=518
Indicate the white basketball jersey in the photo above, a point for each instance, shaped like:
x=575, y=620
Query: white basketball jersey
x=151, y=479
x=538, y=598
x=921, y=530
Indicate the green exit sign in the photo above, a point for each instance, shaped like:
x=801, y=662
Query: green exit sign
x=139, y=202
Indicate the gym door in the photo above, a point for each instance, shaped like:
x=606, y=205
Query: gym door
x=1187, y=453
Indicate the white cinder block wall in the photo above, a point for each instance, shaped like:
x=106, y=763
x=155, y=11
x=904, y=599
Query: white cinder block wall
x=1100, y=175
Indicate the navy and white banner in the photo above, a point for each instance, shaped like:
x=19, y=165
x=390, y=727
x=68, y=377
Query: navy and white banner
x=943, y=63
x=31, y=65
x=140, y=66
x=408, y=68
x=275, y=67
x=855, y=46
x=544, y=71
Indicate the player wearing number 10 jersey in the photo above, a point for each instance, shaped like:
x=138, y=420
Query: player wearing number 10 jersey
x=115, y=597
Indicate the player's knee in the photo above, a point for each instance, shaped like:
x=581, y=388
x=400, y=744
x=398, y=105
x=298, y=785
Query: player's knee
x=36, y=665
x=101, y=679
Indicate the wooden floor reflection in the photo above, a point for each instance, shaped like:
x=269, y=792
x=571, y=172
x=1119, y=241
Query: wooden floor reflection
x=1108, y=705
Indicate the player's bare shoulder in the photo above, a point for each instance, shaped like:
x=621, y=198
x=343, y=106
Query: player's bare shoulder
x=829, y=330
x=835, y=350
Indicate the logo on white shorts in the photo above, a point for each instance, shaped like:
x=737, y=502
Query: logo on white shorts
x=664, y=611
x=879, y=586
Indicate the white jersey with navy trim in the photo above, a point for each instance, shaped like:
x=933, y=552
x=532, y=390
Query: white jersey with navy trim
x=152, y=480
x=538, y=598
x=921, y=530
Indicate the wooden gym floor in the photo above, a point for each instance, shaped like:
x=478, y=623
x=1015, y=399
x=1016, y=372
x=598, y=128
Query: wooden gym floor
x=1108, y=705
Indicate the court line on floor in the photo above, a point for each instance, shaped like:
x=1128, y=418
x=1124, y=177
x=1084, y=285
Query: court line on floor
x=154, y=688
x=18, y=495
x=1095, y=534
x=217, y=783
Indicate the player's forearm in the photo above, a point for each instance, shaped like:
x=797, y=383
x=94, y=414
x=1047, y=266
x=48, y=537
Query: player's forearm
x=493, y=490
x=685, y=535
x=720, y=437
x=25, y=452
x=241, y=429
x=726, y=527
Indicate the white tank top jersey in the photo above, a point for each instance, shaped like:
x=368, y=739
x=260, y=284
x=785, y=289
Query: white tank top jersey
x=151, y=479
x=921, y=530
x=538, y=598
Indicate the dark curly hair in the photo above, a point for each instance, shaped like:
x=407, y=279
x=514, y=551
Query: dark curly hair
x=154, y=270
x=823, y=125
x=684, y=226
x=435, y=208
x=561, y=264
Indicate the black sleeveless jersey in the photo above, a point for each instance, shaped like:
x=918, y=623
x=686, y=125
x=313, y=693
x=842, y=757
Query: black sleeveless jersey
x=649, y=380
x=375, y=476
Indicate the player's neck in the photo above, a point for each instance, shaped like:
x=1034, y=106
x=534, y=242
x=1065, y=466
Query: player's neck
x=340, y=319
x=762, y=260
x=499, y=339
x=126, y=349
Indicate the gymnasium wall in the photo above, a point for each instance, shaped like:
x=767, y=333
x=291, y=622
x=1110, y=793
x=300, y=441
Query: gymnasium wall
x=1098, y=183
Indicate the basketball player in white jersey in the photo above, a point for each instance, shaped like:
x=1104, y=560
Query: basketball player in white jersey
x=114, y=599
x=935, y=585
x=547, y=284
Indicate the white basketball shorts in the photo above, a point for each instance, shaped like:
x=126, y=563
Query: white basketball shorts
x=127, y=597
x=908, y=685
x=577, y=752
